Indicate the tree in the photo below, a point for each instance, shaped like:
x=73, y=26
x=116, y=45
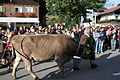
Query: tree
x=42, y=11
x=4, y=1
x=70, y=11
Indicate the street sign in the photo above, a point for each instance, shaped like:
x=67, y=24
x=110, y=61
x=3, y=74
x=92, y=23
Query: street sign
x=89, y=14
x=89, y=10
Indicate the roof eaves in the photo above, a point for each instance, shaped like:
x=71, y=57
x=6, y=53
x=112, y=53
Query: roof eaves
x=109, y=10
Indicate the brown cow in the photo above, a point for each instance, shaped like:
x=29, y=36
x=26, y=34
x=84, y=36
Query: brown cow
x=59, y=47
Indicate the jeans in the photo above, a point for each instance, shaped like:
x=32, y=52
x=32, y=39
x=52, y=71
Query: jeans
x=96, y=46
x=119, y=44
x=100, y=46
x=113, y=44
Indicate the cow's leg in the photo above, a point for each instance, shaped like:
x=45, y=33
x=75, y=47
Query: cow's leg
x=61, y=66
x=15, y=65
x=28, y=67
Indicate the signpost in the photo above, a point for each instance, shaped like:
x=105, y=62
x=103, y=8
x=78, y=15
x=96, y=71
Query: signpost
x=91, y=15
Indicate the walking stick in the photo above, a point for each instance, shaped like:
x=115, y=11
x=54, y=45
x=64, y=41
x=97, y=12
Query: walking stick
x=4, y=52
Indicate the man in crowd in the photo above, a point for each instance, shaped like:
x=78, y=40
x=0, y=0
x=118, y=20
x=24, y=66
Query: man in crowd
x=86, y=50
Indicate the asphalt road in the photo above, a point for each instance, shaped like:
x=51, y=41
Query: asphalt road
x=108, y=69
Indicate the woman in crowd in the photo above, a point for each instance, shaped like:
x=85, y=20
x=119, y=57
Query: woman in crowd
x=101, y=40
x=96, y=37
x=32, y=29
x=113, y=39
x=108, y=38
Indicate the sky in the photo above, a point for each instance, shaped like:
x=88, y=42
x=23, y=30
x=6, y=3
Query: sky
x=111, y=3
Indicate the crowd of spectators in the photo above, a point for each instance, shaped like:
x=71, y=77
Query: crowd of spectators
x=105, y=37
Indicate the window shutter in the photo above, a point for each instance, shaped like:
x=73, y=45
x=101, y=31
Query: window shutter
x=34, y=10
x=3, y=9
x=24, y=10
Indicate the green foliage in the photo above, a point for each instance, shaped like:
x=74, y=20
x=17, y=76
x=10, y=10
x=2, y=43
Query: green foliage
x=52, y=21
x=70, y=11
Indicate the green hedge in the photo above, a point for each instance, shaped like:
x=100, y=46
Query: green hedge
x=104, y=21
x=107, y=21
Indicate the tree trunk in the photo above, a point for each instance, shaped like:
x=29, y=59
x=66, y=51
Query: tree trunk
x=42, y=12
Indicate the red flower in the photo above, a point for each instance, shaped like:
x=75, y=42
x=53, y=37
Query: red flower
x=19, y=14
x=30, y=14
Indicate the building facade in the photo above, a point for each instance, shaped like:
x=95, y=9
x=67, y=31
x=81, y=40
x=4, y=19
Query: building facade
x=110, y=14
x=19, y=11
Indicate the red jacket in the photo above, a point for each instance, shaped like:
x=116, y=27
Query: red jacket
x=9, y=46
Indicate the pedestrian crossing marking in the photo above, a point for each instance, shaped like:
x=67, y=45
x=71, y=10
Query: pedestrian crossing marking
x=116, y=74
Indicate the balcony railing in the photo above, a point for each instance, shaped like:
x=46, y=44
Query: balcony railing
x=30, y=15
x=19, y=15
x=25, y=15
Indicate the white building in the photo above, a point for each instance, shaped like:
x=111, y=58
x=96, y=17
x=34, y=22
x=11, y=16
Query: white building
x=110, y=14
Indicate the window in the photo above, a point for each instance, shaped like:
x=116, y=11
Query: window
x=0, y=8
x=29, y=9
x=18, y=9
x=116, y=17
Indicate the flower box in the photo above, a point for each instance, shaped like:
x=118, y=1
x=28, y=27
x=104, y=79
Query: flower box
x=19, y=14
x=30, y=15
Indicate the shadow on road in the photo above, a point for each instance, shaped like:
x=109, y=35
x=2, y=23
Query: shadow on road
x=38, y=71
x=4, y=72
x=107, y=65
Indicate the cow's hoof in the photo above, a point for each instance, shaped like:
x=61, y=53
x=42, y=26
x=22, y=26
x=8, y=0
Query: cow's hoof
x=52, y=74
x=14, y=78
x=76, y=68
x=37, y=78
x=93, y=66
